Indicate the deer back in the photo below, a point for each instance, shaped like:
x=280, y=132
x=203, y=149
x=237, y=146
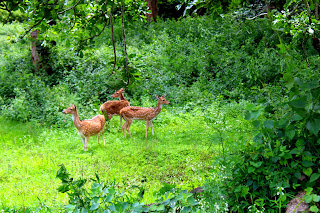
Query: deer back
x=114, y=107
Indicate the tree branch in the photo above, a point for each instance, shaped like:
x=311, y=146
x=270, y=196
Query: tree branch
x=36, y=24
x=113, y=45
x=98, y=33
x=70, y=8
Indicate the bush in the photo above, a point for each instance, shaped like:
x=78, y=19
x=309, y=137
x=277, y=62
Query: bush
x=281, y=161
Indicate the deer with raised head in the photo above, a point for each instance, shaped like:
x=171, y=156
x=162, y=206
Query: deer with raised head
x=111, y=108
x=87, y=128
x=131, y=113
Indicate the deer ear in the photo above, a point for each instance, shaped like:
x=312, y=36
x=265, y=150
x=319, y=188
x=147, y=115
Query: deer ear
x=157, y=96
x=164, y=96
x=122, y=89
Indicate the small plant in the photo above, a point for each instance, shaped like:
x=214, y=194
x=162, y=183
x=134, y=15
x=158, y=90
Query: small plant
x=107, y=198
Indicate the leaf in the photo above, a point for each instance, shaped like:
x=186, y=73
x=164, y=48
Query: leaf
x=83, y=210
x=314, y=209
x=192, y=201
x=268, y=124
x=290, y=134
x=307, y=171
x=314, y=126
x=186, y=209
x=245, y=191
x=310, y=85
x=173, y=203
x=307, y=163
x=298, y=81
x=308, y=198
x=315, y=198
x=295, y=117
x=251, y=169
x=299, y=102
x=314, y=177
x=94, y=206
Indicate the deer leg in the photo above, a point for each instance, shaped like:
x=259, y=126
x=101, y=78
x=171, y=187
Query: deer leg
x=147, y=128
x=123, y=129
x=151, y=126
x=98, y=135
x=85, y=145
x=129, y=122
x=104, y=142
x=120, y=120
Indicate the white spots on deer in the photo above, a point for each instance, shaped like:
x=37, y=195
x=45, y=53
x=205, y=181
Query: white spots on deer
x=111, y=108
x=87, y=128
x=131, y=113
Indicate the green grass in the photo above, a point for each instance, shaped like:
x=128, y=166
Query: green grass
x=179, y=153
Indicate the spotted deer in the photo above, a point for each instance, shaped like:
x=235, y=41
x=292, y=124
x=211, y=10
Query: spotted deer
x=87, y=128
x=131, y=113
x=111, y=108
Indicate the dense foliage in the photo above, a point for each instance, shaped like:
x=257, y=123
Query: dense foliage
x=271, y=64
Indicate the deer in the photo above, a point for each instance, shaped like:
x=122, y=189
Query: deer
x=111, y=108
x=131, y=113
x=87, y=128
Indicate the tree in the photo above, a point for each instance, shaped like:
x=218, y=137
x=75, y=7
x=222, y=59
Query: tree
x=76, y=21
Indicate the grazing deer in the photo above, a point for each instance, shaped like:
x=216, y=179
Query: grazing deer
x=111, y=108
x=87, y=128
x=131, y=113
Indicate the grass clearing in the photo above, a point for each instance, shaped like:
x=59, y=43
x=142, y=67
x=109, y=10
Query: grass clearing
x=179, y=153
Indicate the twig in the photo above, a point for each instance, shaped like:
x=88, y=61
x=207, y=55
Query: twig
x=36, y=24
x=262, y=14
x=70, y=8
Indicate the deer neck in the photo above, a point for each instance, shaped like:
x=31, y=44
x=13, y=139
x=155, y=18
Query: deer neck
x=76, y=120
x=158, y=108
x=121, y=98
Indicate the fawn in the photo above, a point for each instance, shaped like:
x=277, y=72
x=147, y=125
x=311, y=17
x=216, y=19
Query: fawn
x=111, y=108
x=87, y=128
x=131, y=113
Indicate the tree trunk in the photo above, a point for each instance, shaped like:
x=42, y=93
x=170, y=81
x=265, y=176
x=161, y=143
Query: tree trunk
x=124, y=42
x=112, y=38
x=153, y=6
x=34, y=53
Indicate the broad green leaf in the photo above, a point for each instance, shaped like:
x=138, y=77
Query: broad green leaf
x=314, y=177
x=186, y=209
x=295, y=117
x=307, y=163
x=245, y=190
x=315, y=198
x=94, y=206
x=251, y=169
x=252, y=115
x=298, y=81
x=308, y=198
x=299, y=102
x=314, y=126
x=314, y=208
x=307, y=171
x=192, y=201
x=310, y=85
x=83, y=210
x=256, y=123
x=290, y=134
x=173, y=203
x=268, y=124
x=250, y=107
